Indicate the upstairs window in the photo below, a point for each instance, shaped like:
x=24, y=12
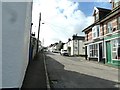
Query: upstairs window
x=87, y=37
x=97, y=16
x=96, y=31
x=119, y=23
x=75, y=41
x=116, y=3
x=75, y=48
x=109, y=27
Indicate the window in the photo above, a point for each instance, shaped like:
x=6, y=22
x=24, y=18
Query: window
x=87, y=37
x=116, y=3
x=118, y=22
x=93, y=50
x=109, y=27
x=96, y=17
x=116, y=49
x=96, y=31
x=75, y=41
x=90, y=49
x=75, y=48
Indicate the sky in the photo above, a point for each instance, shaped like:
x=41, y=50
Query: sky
x=63, y=18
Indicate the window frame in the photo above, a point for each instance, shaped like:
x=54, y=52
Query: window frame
x=116, y=3
x=109, y=27
x=93, y=50
x=115, y=46
x=96, y=31
x=96, y=17
x=118, y=22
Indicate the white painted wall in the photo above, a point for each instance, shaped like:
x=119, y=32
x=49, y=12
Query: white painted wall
x=81, y=50
x=0, y=45
x=75, y=45
x=16, y=22
x=71, y=44
x=65, y=46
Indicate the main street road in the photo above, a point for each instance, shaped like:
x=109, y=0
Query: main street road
x=75, y=72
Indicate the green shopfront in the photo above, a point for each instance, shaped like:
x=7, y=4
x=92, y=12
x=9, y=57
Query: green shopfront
x=112, y=48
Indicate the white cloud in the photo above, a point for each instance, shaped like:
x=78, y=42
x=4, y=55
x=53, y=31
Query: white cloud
x=91, y=0
x=62, y=19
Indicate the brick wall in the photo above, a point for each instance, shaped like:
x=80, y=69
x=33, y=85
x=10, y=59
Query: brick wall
x=114, y=22
x=88, y=35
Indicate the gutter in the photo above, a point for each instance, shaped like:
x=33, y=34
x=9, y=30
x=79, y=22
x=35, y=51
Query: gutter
x=46, y=73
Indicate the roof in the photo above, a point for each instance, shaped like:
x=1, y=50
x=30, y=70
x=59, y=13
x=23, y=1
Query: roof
x=78, y=37
x=104, y=10
x=109, y=15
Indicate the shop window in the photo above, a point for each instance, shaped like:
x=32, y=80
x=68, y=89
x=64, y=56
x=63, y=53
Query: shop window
x=116, y=49
x=93, y=50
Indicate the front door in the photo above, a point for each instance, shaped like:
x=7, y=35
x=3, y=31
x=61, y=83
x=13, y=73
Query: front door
x=86, y=52
x=69, y=50
x=108, y=51
x=100, y=51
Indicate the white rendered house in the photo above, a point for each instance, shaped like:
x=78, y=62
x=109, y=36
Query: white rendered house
x=16, y=25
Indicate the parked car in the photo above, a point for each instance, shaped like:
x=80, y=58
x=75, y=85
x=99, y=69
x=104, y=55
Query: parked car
x=64, y=52
x=55, y=51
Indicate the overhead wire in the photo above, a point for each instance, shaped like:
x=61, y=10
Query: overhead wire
x=53, y=27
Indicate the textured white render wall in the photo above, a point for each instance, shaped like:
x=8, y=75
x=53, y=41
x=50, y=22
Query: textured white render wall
x=0, y=45
x=26, y=39
x=16, y=26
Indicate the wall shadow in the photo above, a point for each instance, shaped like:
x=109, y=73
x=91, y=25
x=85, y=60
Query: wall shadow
x=49, y=53
x=61, y=78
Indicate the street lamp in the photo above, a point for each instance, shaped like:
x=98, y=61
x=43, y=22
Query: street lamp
x=38, y=33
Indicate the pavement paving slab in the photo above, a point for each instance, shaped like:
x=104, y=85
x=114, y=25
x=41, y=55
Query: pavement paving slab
x=35, y=74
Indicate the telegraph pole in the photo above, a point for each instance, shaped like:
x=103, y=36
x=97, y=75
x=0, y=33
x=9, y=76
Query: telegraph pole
x=38, y=33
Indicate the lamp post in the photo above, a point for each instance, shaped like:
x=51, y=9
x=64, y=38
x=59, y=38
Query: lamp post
x=38, y=33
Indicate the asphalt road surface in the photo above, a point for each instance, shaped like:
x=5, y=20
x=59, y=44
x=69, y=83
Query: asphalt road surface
x=75, y=72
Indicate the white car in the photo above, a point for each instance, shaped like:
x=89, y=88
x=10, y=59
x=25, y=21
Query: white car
x=64, y=52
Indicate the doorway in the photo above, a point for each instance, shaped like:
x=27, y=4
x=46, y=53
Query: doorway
x=100, y=53
x=108, y=51
x=86, y=52
x=69, y=50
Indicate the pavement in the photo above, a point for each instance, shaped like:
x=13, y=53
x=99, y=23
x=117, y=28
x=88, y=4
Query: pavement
x=35, y=76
